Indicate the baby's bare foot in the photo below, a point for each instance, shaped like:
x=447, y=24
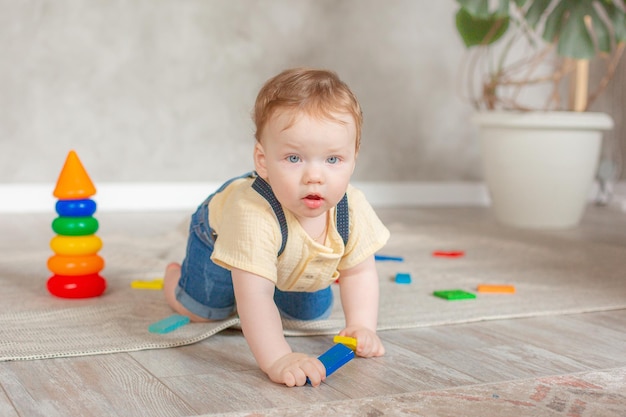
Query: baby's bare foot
x=170, y=283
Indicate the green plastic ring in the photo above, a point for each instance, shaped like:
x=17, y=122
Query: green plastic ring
x=75, y=226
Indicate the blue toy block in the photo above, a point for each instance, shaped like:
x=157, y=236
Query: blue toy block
x=169, y=324
x=388, y=258
x=334, y=358
x=403, y=278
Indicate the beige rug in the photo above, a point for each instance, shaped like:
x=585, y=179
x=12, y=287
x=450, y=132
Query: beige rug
x=552, y=276
x=593, y=394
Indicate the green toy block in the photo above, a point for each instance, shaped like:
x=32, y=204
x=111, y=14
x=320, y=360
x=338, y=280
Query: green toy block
x=452, y=295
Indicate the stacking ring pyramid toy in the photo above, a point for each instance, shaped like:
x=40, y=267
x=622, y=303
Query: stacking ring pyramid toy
x=75, y=263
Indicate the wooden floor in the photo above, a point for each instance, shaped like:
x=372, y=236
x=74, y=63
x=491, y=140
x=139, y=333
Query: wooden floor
x=219, y=375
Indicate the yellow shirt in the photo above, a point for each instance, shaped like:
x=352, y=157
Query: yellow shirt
x=249, y=239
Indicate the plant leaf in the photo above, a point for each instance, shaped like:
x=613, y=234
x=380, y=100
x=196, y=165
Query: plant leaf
x=535, y=11
x=618, y=20
x=574, y=40
x=476, y=8
x=554, y=22
x=476, y=31
x=480, y=8
x=601, y=32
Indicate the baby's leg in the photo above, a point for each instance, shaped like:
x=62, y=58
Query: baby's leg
x=170, y=282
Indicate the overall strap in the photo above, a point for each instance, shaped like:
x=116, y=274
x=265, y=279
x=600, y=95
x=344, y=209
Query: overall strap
x=264, y=189
x=343, y=219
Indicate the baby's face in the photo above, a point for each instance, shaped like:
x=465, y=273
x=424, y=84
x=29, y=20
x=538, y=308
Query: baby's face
x=308, y=164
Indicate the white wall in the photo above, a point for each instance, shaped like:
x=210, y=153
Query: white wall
x=161, y=90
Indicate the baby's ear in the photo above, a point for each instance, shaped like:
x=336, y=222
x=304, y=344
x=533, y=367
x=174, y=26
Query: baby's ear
x=260, y=160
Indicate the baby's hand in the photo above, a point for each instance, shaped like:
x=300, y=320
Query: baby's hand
x=368, y=342
x=294, y=368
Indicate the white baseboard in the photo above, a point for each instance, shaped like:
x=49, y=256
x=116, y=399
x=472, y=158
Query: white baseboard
x=185, y=196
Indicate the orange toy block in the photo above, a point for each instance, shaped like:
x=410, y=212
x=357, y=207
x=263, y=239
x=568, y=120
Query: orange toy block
x=74, y=182
x=496, y=288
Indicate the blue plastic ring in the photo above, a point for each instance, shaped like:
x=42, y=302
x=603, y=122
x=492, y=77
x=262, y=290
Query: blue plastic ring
x=76, y=208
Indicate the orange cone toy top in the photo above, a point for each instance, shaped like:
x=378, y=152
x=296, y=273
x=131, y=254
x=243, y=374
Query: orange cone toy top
x=74, y=182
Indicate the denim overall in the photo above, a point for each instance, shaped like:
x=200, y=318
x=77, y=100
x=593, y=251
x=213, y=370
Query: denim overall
x=206, y=289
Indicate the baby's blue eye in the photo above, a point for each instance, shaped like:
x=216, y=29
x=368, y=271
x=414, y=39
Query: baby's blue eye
x=293, y=158
x=332, y=160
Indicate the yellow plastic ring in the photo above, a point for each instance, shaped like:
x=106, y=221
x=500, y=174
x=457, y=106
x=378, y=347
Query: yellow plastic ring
x=75, y=245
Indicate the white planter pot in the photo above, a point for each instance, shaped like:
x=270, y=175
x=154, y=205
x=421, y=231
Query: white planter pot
x=539, y=166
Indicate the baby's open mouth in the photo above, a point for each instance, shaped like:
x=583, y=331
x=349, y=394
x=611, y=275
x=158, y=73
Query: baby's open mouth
x=313, y=201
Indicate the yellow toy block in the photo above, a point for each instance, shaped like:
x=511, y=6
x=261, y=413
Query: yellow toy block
x=347, y=341
x=155, y=284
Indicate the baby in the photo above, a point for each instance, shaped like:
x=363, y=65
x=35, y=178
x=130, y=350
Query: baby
x=271, y=243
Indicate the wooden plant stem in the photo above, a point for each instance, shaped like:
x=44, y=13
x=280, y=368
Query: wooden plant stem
x=579, y=82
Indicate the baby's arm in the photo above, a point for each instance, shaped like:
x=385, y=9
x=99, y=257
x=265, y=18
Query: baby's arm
x=359, y=297
x=262, y=327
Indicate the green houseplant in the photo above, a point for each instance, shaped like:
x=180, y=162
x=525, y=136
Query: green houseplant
x=527, y=74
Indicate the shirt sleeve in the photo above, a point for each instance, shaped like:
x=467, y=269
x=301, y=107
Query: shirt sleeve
x=368, y=234
x=248, y=237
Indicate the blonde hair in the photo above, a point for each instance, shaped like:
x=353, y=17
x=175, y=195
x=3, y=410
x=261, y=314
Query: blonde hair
x=315, y=92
